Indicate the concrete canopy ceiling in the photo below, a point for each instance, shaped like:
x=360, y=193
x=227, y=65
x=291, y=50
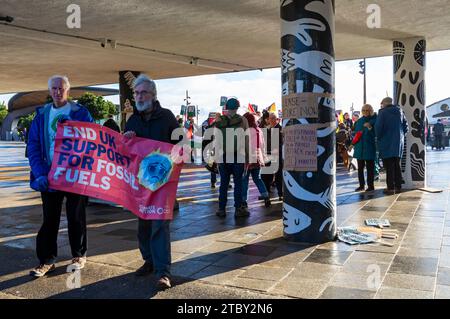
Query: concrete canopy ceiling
x=232, y=35
x=26, y=99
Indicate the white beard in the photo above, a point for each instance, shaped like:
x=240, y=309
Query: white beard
x=141, y=107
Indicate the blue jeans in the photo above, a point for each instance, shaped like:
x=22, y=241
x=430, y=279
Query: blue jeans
x=256, y=176
x=154, y=244
x=226, y=170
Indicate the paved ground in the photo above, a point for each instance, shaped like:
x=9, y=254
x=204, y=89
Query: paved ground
x=216, y=258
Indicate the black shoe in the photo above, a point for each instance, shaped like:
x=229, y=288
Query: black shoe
x=244, y=204
x=144, y=270
x=241, y=212
x=398, y=190
x=388, y=191
x=267, y=202
x=359, y=189
x=213, y=185
x=221, y=213
x=370, y=189
x=176, y=206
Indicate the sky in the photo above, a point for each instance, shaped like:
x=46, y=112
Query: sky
x=264, y=87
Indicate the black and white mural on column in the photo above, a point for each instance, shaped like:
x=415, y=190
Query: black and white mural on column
x=307, y=63
x=409, y=94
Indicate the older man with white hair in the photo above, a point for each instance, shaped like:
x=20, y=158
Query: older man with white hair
x=153, y=122
x=41, y=146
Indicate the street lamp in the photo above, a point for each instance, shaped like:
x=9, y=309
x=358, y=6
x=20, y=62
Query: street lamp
x=362, y=65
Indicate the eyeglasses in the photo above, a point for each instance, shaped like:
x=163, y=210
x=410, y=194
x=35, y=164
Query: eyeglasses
x=137, y=93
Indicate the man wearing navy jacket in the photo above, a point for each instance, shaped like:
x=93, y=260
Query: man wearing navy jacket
x=391, y=128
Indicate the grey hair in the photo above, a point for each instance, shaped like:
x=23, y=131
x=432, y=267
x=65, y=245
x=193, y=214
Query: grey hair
x=145, y=79
x=387, y=101
x=64, y=78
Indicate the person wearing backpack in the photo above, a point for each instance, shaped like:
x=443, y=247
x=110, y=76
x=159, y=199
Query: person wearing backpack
x=231, y=156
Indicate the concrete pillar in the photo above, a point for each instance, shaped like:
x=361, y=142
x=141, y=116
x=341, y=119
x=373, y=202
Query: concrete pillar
x=126, y=79
x=409, y=94
x=309, y=123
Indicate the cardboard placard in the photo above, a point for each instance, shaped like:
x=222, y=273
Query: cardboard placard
x=303, y=105
x=300, y=148
x=378, y=222
x=352, y=236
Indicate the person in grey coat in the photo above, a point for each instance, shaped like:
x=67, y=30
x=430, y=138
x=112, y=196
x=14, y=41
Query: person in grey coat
x=391, y=127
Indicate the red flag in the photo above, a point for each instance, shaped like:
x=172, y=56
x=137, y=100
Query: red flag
x=251, y=109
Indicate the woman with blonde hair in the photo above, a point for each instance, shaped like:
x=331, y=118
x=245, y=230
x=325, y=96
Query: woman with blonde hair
x=365, y=147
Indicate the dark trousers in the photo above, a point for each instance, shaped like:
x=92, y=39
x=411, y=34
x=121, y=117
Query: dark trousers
x=393, y=173
x=226, y=170
x=438, y=139
x=154, y=244
x=278, y=177
x=370, y=165
x=46, y=241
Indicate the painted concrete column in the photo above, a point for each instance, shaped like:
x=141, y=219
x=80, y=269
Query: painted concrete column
x=409, y=94
x=127, y=103
x=309, y=123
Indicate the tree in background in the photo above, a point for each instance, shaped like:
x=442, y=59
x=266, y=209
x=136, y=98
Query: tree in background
x=25, y=121
x=3, y=112
x=97, y=106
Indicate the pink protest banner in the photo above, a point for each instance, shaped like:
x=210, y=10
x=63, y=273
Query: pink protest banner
x=140, y=174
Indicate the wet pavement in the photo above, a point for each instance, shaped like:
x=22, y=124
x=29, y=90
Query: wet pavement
x=235, y=258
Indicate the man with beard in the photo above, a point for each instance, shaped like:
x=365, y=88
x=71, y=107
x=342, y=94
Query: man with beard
x=156, y=123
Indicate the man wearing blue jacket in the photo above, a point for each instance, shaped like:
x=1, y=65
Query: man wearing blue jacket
x=41, y=147
x=391, y=128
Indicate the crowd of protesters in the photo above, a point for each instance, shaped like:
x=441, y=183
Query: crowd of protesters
x=242, y=146
x=149, y=120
